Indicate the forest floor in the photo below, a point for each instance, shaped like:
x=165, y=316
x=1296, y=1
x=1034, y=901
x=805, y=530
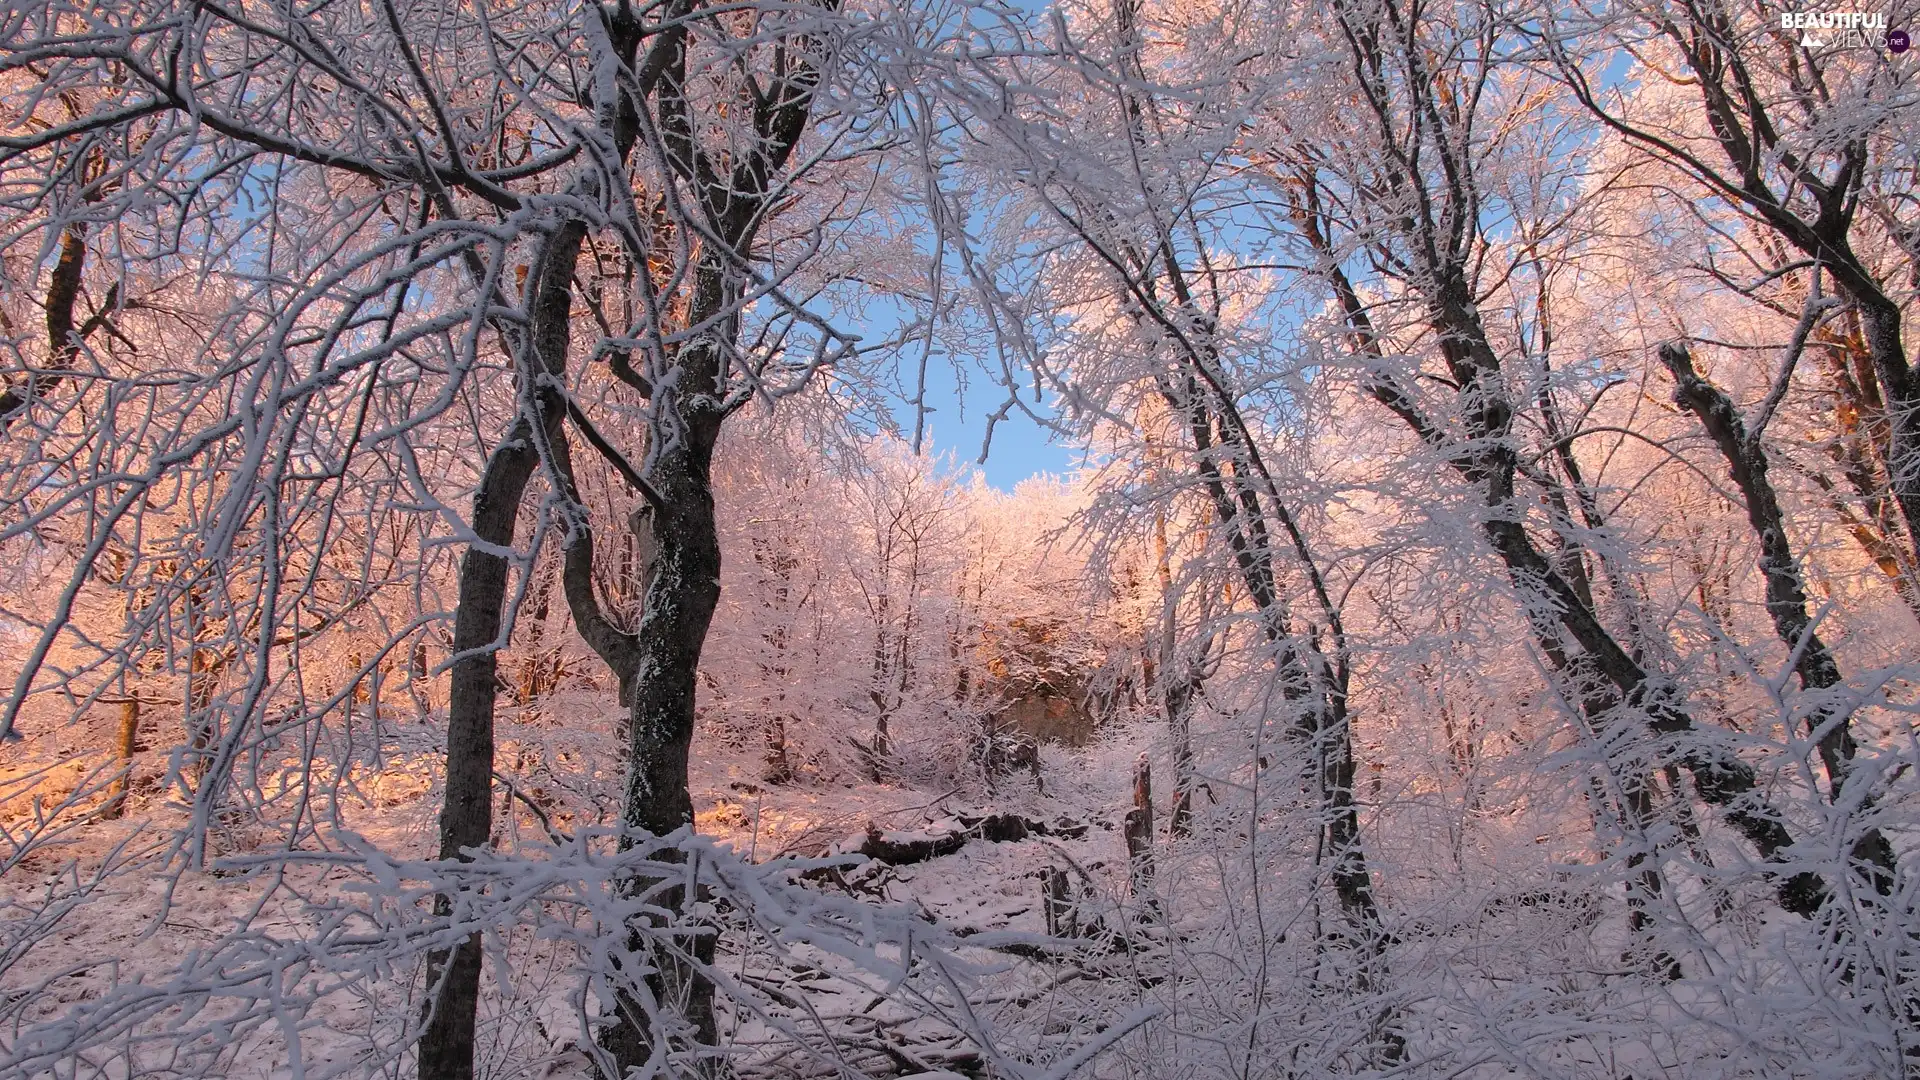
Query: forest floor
x=171, y=916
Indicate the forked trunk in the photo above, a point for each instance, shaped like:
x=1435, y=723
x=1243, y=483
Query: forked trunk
x=466, y=817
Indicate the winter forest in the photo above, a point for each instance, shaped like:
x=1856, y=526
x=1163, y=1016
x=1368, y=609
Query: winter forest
x=488, y=587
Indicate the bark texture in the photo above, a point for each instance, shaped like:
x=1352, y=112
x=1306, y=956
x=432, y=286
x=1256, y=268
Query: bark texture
x=466, y=817
x=64, y=334
x=689, y=405
x=127, y=744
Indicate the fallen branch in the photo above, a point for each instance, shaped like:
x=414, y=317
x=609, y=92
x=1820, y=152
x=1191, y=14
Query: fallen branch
x=905, y=848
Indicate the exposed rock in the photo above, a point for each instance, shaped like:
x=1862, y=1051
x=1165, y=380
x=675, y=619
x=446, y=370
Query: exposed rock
x=1046, y=715
x=1036, y=667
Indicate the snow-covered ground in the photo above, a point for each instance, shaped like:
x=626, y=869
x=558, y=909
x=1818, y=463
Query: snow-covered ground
x=105, y=918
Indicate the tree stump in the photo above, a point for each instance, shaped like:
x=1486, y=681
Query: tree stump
x=129, y=742
x=1138, y=828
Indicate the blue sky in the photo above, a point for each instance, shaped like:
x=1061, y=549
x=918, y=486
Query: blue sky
x=958, y=421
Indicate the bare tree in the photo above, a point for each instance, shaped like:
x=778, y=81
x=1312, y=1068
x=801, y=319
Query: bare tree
x=1422, y=121
x=1740, y=443
x=1793, y=140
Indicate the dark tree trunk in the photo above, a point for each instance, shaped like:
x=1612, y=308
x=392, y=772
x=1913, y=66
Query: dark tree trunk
x=1818, y=671
x=1178, y=702
x=690, y=401
x=679, y=608
x=615, y=647
x=466, y=819
x=1179, y=686
x=63, y=333
x=681, y=596
x=446, y=1047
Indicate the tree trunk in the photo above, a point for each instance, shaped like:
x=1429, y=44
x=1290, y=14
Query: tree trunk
x=1178, y=701
x=417, y=685
x=533, y=682
x=1309, y=680
x=1486, y=458
x=1179, y=687
x=681, y=598
x=1138, y=831
x=615, y=647
x=776, y=766
x=689, y=404
x=1880, y=322
x=1720, y=777
x=1059, y=913
x=128, y=742
x=1818, y=671
x=466, y=817
x=63, y=333
x=679, y=608
x=882, y=744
